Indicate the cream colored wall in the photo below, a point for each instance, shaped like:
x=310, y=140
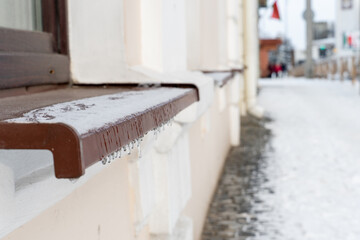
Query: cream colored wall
x=193, y=34
x=209, y=26
x=251, y=54
x=132, y=30
x=96, y=47
x=209, y=146
x=121, y=201
x=206, y=28
x=97, y=41
x=105, y=206
x=100, y=209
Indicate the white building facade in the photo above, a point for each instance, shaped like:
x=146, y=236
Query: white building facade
x=161, y=190
x=347, y=27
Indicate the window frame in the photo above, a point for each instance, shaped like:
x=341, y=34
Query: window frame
x=38, y=58
x=30, y=58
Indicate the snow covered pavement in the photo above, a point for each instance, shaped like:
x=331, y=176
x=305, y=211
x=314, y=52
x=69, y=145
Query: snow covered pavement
x=314, y=165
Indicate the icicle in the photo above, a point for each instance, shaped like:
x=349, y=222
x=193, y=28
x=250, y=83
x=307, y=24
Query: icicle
x=171, y=122
x=155, y=134
x=118, y=153
x=73, y=180
x=139, y=151
x=113, y=156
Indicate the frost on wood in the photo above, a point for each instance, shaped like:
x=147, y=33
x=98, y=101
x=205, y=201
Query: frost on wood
x=90, y=114
x=127, y=149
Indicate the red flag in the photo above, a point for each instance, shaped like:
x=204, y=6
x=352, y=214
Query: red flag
x=275, y=13
x=350, y=42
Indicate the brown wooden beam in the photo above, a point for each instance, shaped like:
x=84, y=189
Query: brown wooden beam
x=72, y=149
x=12, y=40
x=28, y=69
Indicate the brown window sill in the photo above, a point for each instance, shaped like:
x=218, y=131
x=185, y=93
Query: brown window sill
x=222, y=77
x=83, y=124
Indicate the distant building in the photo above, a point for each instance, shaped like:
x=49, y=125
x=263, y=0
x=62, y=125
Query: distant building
x=262, y=3
x=324, y=39
x=347, y=26
x=267, y=46
x=322, y=30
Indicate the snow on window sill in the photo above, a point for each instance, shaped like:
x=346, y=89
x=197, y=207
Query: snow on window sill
x=81, y=131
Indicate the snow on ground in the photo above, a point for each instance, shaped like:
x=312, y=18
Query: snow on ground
x=315, y=164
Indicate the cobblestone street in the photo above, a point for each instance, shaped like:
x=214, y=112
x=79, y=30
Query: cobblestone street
x=234, y=209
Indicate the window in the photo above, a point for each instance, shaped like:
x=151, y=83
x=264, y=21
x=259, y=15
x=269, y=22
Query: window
x=346, y=4
x=28, y=56
x=21, y=15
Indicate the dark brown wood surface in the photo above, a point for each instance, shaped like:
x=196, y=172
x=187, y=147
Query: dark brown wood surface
x=25, y=41
x=63, y=27
x=28, y=69
x=54, y=16
x=49, y=20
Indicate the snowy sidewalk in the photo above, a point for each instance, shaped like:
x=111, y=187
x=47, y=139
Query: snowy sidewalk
x=314, y=169
x=296, y=177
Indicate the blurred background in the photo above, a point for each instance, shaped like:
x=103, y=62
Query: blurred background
x=179, y=119
x=327, y=36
